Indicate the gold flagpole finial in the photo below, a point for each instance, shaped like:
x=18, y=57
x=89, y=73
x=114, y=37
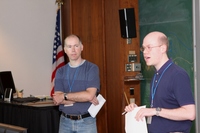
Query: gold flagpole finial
x=59, y=2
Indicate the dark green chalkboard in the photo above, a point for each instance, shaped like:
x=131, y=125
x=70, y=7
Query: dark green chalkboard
x=174, y=18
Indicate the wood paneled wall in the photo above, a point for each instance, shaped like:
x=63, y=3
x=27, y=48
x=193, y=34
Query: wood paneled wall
x=116, y=57
x=97, y=24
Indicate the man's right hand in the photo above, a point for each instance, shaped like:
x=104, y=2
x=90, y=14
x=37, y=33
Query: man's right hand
x=130, y=107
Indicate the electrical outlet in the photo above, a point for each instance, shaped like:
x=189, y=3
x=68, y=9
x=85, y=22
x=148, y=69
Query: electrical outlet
x=132, y=100
x=132, y=58
x=132, y=67
x=128, y=67
x=136, y=67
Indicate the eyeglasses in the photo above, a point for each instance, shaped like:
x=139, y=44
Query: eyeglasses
x=148, y=48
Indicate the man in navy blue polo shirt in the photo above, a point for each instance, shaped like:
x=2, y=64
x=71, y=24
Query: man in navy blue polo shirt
x=172, y=106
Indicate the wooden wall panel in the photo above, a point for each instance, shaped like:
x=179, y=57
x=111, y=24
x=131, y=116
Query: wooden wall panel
x=117, y=51
x=114, y=56
x=97, y=23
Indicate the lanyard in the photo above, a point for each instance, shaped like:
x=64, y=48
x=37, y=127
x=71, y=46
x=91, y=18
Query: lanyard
x=153, y=89
x=68, y=78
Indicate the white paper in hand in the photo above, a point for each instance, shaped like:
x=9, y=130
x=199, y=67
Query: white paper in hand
x=134, y=126
x=93, y=110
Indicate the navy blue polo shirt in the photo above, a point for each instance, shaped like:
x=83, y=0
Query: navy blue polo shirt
x=173, y=90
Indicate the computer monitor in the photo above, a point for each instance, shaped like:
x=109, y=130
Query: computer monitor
x=6, y=81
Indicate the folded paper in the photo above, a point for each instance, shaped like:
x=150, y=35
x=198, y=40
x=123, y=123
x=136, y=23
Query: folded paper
x=94, y=109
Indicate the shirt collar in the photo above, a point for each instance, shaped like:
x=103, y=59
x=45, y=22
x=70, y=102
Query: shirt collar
x=163, y=67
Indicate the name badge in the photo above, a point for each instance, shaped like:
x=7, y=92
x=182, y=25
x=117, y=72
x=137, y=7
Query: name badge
x=149, y=119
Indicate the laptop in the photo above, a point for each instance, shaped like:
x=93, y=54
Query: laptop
x=26, y=99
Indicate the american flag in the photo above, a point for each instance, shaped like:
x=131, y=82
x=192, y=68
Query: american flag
x=58, y=54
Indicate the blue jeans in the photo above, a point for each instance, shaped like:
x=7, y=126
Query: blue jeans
x=85, y=125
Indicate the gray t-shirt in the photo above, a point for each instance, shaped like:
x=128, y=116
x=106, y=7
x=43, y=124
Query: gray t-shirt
x=75, y=79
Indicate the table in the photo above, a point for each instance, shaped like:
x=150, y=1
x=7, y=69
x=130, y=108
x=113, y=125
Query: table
x=39, y=117
x=5, y=128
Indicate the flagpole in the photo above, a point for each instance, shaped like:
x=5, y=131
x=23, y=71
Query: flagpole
x=59, y=2
x=58, y=53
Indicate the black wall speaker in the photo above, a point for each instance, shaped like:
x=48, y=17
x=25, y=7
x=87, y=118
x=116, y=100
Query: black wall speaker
x=127, y=22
